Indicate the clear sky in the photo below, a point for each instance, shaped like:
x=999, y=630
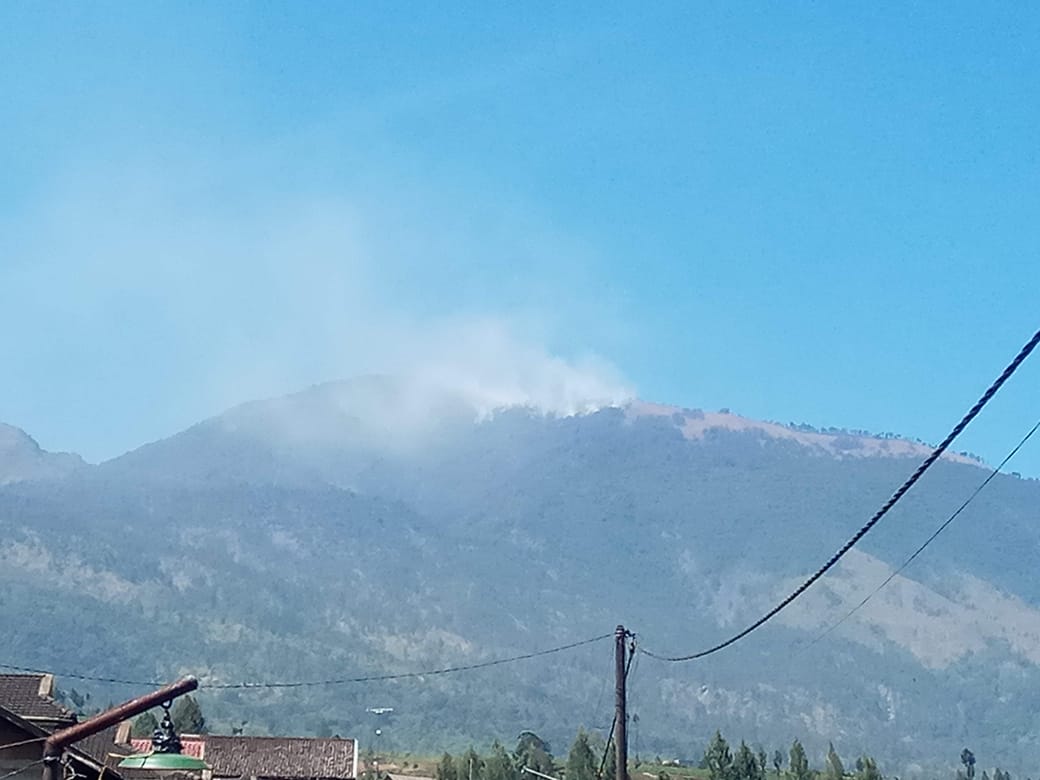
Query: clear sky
x=819, y=212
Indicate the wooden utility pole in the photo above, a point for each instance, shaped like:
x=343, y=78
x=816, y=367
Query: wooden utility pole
x=621, y=726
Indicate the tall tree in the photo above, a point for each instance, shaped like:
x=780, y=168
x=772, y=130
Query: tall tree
x=144, y=725
x=718, y=759
x=187, y=716
x=446, y=769
x=470, y=766
x=835, y=769
x=798, y=764
x=499, y=766
x=534, y=752
x=968, y=759
x=581, y=761
x=778, y=761
x=745, y=765
x=763, y=761
x=867, y=769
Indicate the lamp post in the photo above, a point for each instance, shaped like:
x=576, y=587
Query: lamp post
x=56, y=743
x=166, y=750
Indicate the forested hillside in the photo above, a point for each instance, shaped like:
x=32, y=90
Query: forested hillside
x=345, y=532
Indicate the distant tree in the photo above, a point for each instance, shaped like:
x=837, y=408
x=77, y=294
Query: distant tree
x=968, y=759
x=778, y=761
x=187, y=716
x=798, y=764
x=534, y=752
x=717, y=758
x=446, y=769
x=866, y=769
x=144, y=725
x=835, y=769
x=581, y=761
x=763, y=761
x=471, y=766
x=499, y=766
x=745, y=765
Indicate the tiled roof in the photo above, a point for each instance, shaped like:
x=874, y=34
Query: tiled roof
x=103, y=748
x=20, y=693
x=271, y=758
x=191, y=745
x=80, y=757
x=280, y=757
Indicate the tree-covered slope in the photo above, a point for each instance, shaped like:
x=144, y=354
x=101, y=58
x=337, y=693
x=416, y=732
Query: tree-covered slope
x=361, y=528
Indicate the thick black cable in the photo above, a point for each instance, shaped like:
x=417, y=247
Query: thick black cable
x=989, y=478
x=338, y=681
x=900, y=492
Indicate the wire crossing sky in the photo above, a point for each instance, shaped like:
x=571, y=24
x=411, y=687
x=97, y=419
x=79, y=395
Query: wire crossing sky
x=901, y=491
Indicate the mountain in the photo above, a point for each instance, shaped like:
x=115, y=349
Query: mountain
x=22, y=459
x=378, y=526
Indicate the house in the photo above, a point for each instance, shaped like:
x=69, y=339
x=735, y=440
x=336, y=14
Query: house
x=28, y=715
x=269, y=758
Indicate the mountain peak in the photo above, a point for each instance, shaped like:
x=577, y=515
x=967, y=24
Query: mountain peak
x=22, y=458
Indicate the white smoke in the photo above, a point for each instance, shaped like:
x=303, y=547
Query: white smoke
x=492, y=368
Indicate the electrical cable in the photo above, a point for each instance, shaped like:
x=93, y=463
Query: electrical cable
x=900, y=492
x=337, y=681
x=930, y=539
x=22, y=769
x=10, y=745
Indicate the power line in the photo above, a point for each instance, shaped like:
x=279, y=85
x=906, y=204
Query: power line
x=77, y=676
x=10, y=745
x=900, y=492
x=335, y=681
x=930, y=539
x=22, y=769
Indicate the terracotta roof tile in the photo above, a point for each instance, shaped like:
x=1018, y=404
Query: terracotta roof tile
x=270, y=758
x=20, y=693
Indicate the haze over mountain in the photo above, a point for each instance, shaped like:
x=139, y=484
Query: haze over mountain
x=383, y=525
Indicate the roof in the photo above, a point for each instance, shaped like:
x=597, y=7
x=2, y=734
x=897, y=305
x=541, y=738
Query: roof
x=30, y=696
x=191, y=745
x=75, y=753
x=280, y=757
x=103, y=747
x=272, y=758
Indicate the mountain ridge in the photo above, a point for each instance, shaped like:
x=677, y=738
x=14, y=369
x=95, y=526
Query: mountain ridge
x=313, y=539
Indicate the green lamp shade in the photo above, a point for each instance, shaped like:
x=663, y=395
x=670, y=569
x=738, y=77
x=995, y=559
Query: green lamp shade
x=162, y=761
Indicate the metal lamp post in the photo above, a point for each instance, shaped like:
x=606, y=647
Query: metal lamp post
x=55, y=744
x=166, y=749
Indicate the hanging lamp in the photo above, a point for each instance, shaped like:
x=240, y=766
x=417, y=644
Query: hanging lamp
x=166, y=750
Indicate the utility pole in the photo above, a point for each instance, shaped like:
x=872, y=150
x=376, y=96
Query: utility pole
x=621, y=727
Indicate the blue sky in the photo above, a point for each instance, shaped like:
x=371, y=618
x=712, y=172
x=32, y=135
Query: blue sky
x=803, y=212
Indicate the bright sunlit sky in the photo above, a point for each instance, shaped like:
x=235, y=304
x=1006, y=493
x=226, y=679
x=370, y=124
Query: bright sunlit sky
x=804, y=212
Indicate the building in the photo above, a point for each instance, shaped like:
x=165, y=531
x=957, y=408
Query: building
x=28, y=715
x=269, y=758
